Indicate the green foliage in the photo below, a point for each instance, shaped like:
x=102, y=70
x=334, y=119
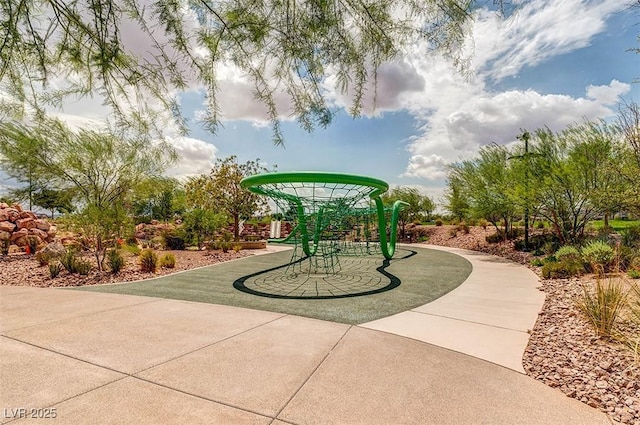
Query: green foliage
x=54, y=269
x=83, y=267
x=562, y=269
x=157, y=198
x=168, y=261
x=54, y=200
x=236, y=247
x=174, y=240
x=603, y=306
x=282, y=47
x=115, y=260
x=633, y=274
x=599, y=255
x=537, y=262
x=631, y=236
x=418, y=205
x=482, y=223
x=220, y=191
x=568, y=252
x=148, y=261
x=200, y=224
x=438, y=222
x=70, y=260
x=43, y=258
x=131, y=248
x=32, y=243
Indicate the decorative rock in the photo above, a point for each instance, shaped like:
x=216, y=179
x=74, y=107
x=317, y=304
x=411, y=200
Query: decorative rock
x=17, y=207
x=3, y=205
x=12, y=214
x=39, y=233
x=26, y=223
x=7, y=226
x=22, y=233
x=54, y=250
x=4, y=235
x=43, y=224
x=602, y=385
x=4, y=215
x=14, y=249
x=27, y=214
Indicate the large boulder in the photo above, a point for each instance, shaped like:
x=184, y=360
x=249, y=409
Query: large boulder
x=39, y=233
x=12, y=214
x=26, y=223
x=43, y=224
x=22, y=233
x=7, y=226
x=54, y=250
x=4, y=215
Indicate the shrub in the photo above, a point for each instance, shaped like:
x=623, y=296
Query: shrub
x=568, y=252
x=148, y=261
x=483, y=223
x=633, y=274
x=603, y=306
x=116, y=261
x=32, y=243
x=540, y=225
x=464, y=228
x=438, y=222
x=631, y=236
x=55, y=269
x=562, y=269
x=83, y=267
x=537, y=262
x=494, y=238
x=131, y=248
x=70, y=260
x=453, y=232
x=168, y=261
x=43, y=258
x=4, y=246
x=598, y=255
x=236, y=248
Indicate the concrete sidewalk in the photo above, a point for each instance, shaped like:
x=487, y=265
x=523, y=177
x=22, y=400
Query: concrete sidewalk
x=105, y=358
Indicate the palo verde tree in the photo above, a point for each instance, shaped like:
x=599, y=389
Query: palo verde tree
x=418, y=205
x=101, y=168
x=288, y=47
x=487, y=184
x=627, y=155
x=220, y=191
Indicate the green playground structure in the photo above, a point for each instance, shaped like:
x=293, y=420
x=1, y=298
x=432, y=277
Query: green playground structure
x=332, y=213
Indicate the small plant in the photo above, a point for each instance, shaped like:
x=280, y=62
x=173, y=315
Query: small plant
x=483, y=223
x=540, y=225
x=43, y=258
x=236, y=248
x=69, y=260
x=453, y=232
x=55, y=269
x=83, y=267
x=561, y=269
x=131, y=248
x=438, y=222
x=226, y=242
x=174, y=241
x=464, y=228
x=32, y=244
x=168, y=261
x=115, y=260
x=599, y=255
x=148, y=261
x=4, y=246
x=603, y=306
x=633, y=274
x=537, y=262
x=631, y=237
x=569, y=253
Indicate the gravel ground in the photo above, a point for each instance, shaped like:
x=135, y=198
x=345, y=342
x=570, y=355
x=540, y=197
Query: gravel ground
x=563, y=352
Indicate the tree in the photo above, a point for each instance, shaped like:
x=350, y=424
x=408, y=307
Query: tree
x=457, y=201
x=54, y=200
x=220, y=191
x=487, y=183
x=200, y=224
x=627, y=154
x=159, y=198
x=417, y=205
x=285, y=46
x=101, y=168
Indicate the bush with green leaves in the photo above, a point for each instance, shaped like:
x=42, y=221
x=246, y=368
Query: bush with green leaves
x=599, y=255
x=438, y=222
x=55, y=269
x=631, y=236
x=43, y=258
x=174, y=240
x=568, y=252
x=70, y=260
x=115, y=260
x=83, y=267
x=168, y=261
x=562, y=269
x=148, y=261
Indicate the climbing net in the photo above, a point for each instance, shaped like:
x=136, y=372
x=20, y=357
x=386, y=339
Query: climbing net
x=333, y=215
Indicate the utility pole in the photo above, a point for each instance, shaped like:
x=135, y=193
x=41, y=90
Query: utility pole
x=525, y=136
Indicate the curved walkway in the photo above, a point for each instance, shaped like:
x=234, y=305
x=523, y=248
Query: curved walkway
x=487, y=317
x=107, y=358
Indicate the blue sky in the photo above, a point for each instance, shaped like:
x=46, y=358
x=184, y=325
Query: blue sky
x=553, y=63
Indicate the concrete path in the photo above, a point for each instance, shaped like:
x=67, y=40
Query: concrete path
x=89, y=357
x=487, y=317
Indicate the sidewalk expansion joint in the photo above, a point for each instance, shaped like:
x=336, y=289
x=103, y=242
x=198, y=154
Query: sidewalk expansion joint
x=313, y=372
x=470, y=321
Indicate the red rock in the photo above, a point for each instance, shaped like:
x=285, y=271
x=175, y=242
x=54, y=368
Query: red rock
x=39, y=233
x=12, y=214
x=4, y=235
x=4, y=215
x=7, y=226
x=22, y=233
x=27, y=214
x=26, y=223
x=17, y=207
x=3, y=205
x=43, y=224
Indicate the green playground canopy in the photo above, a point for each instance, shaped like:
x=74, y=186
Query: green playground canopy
x=333, y=212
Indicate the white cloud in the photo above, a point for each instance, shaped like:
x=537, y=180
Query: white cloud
x=431, y=167
x=610, y=94
x=195, y=157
